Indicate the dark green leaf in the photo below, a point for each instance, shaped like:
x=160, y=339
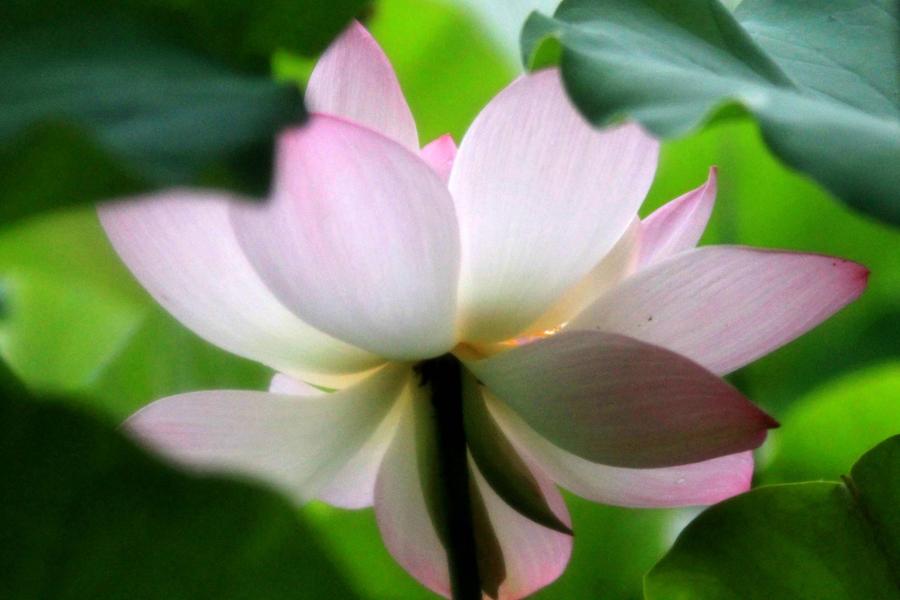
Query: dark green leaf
x=816, y=541
x=819, y=78
x=243, y=33
x=85, y=514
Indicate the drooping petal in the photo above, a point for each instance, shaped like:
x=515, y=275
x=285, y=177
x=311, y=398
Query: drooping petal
x=299, y=443
x=541, y=198
x=353, y=486
x=618, y=264
x=618, y=401
x=678, y=225
x=501, y=463
x=360, y=239
x=723, y=306
x=700, y=483
x=355, y=80
x=533, y=556
x=529, y=555
x=439, y=155
x=402, y=511
x=181, y=247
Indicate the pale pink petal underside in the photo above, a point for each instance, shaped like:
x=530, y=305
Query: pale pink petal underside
x=360, y=239
x=355, y=80
x=181, y=247
x=542, y=196
x=700, y=483
x=298, y=443
x=725, y=306
x=618, y=401
x=678, y=225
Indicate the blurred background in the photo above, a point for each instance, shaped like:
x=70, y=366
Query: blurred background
x=75, y=326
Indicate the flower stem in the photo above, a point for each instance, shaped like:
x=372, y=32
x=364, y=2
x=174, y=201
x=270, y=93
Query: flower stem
x=444, y=377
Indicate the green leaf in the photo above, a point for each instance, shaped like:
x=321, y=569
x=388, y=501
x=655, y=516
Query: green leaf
x=819, y=79
x=75, y=321
x=85, y=514
x=108, y=100
x=820, y=540
x=852, y=413
x=614, y=548
x=243, y=33
x=445, y=61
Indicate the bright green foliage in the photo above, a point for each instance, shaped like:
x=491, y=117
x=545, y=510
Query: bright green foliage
x=614, y=547
x=821, y=80
x=822, y=433
x=815, y=541
x=75, y=321
x=85, y=514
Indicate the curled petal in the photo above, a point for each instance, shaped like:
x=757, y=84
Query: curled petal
x=725, y=306
x=617, y=401
x=700, y=483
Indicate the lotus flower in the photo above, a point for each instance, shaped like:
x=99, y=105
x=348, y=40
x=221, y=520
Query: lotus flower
x=588, y=344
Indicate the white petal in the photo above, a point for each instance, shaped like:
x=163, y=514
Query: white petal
x=618, y=264
x=181, y=247
x=354, y=80
x=541, y=198
x=353, y=486
x=298, y=443
x=725, y=306
x=360, y=239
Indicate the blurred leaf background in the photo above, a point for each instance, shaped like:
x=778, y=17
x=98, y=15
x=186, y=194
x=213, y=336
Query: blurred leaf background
x=74, y=324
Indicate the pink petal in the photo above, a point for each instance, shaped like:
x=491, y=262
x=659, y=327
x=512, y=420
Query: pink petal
x=354, y=80
x=181, y=247
x=359, y=239
x=541, y=198
x=723, y=306
x=617, y=401
x=298, y=443
x=402, y=512
x=702, y=483
x=678, y=225
x=439, y=155
x=533, y=555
